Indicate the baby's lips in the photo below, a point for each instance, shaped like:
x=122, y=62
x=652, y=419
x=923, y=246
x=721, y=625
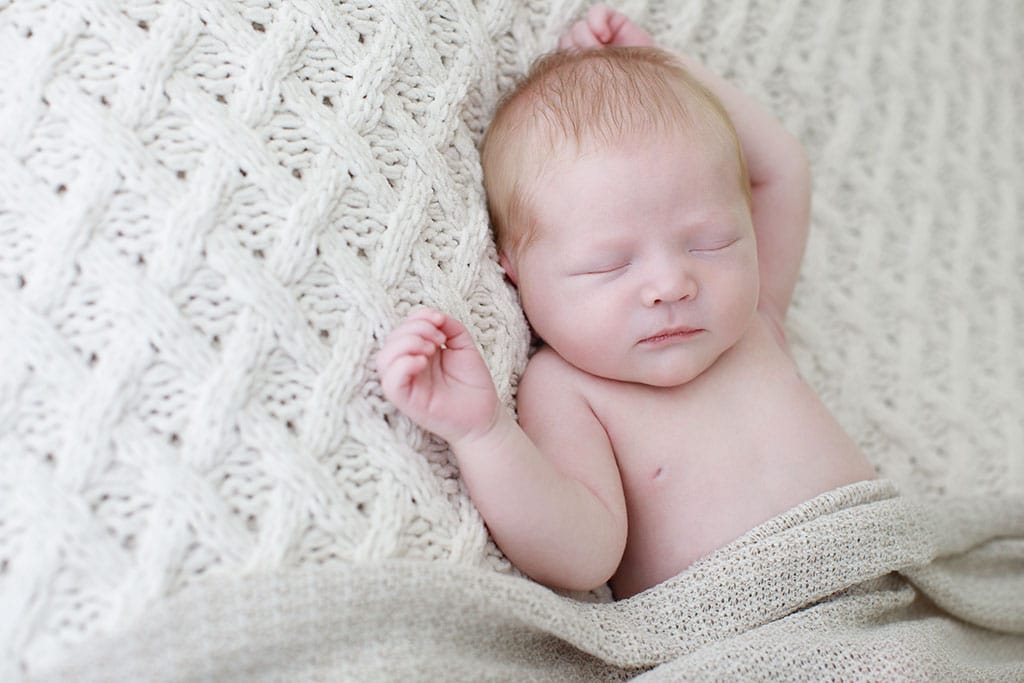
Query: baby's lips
x=681, y=332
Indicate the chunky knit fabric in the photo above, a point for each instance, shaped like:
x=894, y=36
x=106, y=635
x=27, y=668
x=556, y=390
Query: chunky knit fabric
x=212, y=212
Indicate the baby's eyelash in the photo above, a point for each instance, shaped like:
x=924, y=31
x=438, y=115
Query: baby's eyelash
x=716, y=247
x=603, y=269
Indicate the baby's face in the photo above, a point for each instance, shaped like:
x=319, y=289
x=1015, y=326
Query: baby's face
x=644, y=267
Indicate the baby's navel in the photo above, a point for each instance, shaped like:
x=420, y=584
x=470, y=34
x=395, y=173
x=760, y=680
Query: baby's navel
x=658, y=473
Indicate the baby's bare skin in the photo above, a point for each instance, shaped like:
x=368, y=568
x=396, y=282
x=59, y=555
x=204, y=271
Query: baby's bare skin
x=704, y=462
x=664, y=417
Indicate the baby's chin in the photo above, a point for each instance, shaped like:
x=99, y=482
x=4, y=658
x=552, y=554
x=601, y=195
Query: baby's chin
x=668, y=379
x=664, y=377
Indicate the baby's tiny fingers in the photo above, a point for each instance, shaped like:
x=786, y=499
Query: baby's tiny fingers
x=400, y=344
x=583, y=37
x=397, y=380
x=409, y=345
x=431, y=315
x=425, y=329
x=599, y=19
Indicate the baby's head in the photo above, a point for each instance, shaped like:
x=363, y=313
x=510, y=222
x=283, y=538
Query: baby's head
x=621, y=203
x=575, y=102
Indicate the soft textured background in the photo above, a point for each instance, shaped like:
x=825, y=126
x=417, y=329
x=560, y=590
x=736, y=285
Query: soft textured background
x=211, y=212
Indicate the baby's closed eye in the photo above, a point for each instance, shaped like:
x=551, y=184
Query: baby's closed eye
x=711, y=246
x=601, y=268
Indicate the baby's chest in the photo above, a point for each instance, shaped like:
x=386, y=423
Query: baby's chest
x=711, y=433
x=669, y=439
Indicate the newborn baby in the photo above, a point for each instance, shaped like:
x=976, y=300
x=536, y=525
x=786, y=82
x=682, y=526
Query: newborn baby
x=653, y=219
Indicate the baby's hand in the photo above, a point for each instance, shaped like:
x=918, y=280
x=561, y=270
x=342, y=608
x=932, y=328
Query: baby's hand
x=604, y=26
x=431, y=370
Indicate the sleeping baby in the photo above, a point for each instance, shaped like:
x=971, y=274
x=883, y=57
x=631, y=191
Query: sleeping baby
x=653, y=219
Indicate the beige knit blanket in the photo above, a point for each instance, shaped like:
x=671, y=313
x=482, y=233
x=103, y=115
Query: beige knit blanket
x=210, y=214
x=807, y=596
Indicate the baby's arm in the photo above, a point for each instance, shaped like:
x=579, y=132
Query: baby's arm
x=776, y=162
x=559, y=515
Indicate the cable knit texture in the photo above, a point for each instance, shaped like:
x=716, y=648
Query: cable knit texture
x=212, y=212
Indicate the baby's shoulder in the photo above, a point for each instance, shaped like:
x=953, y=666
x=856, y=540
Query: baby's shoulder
x=548, y=390
x=557, y=385
x=546, y=367
x=550, y=378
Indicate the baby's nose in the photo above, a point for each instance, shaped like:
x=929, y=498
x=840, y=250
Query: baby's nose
x=673, y=285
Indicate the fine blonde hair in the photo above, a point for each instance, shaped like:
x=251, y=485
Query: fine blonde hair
x=580, y=100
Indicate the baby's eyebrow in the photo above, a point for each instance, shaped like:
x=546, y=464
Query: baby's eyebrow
x=600, y=253
x=599, y=256
x=708, y=220
x=619, y=240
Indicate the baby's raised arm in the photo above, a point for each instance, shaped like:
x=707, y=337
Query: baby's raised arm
x=776, y=162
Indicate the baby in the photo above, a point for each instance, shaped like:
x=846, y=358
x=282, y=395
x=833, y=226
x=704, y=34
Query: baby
x=653, y=219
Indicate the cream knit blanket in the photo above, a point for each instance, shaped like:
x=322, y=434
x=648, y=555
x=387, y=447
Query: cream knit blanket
x=211, y=212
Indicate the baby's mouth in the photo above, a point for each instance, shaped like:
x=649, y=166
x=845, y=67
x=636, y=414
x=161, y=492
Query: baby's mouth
x=671, y=335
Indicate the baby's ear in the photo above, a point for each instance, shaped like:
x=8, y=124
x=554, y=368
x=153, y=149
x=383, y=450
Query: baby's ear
x=508, y=266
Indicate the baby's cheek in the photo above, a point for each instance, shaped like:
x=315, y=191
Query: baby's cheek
x=744, y=300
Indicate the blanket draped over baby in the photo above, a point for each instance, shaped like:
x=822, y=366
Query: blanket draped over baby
x=857, y=583
x=211, y=213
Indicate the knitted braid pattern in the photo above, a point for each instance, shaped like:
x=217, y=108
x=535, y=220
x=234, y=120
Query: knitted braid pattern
x=210, y=214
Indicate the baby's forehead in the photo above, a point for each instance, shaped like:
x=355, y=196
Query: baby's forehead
x=559, y=154
x=552, y=190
